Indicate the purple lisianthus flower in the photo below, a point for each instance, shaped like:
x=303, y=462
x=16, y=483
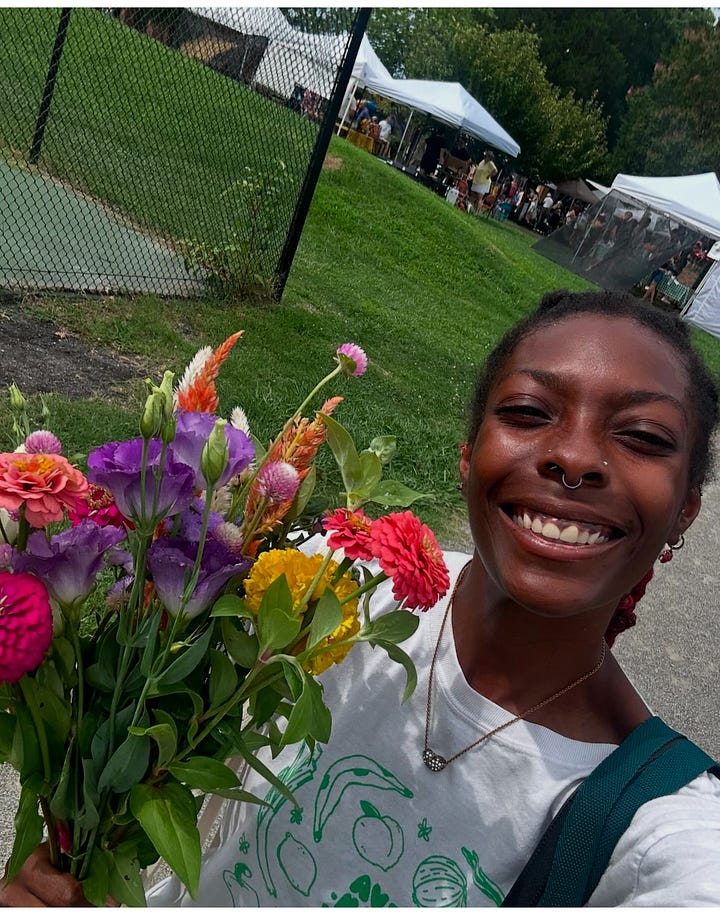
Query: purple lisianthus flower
x=171, y=563
x=193, y=430
x=68, y=563
x=191, y=521
x=116, y=466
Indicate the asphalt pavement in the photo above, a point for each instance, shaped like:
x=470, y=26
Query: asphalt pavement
x=672, y=655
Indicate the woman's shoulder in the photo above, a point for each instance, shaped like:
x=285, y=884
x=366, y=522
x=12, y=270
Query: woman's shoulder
x=670, y=853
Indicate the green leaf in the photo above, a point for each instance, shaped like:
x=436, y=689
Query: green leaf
x=310, y=716
x=400, y=657
x=238, y=794
x=231, y=605
x=64, y=656
x=25, y=751
x=62, y=801
x=223, y=678
x=396, y=494
x=264, y=772
x=7, y=732
x=384, y=447
x=148, y=654
x=126, y=884
x=96, y=884
x=263, y=704
x=167, y=814
x=277, y=597
x=127, y=765
x=28, y=831
x=205, y=773
x=188, y=660
x=164, y=735
x=395, y=626
x=277, y=629
x=326, y=619
x=344, y=452
x=242, y=647
x=371, y=470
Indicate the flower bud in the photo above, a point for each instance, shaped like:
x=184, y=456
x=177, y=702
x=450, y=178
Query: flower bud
x=17, y=401
x=151, y=421
x=215, y=454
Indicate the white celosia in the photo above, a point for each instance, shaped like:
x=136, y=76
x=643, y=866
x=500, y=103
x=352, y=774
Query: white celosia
x=195, y=366
x=239, y=420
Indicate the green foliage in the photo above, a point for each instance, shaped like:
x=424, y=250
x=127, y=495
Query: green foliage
x=672, y=126
x=233, y=268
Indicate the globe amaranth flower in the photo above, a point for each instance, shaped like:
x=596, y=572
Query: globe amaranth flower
x=99, y=506
x=117, y=467
x=193, y=430
x=26, y=627
x=171, y=563
x=68, y=563
x=44, y=485
x=409, y=553
x=43, y=442
x=277, y=482
x=350, y=532
x=355, y=361
x=299, y=571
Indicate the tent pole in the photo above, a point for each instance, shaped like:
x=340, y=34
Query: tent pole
x=402, y=139
x=587, y=230
x=351, y=93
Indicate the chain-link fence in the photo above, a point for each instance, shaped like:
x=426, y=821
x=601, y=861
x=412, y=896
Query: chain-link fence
x=162, y=150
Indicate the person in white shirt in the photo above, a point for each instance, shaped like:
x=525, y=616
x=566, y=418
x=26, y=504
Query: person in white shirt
x=588, y=444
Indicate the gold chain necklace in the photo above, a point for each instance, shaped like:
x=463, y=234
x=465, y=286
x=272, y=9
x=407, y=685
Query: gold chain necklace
x=433, y=760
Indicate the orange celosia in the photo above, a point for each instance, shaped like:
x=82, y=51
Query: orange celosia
x=196, y=392
x=43, y=484
x=298, y=446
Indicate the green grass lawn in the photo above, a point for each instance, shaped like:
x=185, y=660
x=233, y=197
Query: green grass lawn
x=423, y=287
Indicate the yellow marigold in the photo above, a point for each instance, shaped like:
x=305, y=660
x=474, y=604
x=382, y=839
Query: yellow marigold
x=300, y=570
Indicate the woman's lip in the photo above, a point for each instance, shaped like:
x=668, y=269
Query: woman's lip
x=554, y=549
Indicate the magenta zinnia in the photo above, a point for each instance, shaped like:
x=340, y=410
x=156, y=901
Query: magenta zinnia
x=26, y=629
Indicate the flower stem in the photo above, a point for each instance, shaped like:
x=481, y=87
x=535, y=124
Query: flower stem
x=313, y=584
x=368, y=586
x=23, y=530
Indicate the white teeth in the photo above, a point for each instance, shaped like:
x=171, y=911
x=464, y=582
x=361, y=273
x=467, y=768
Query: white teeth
x=527, y=523
x=583, y=537
x=537, y=526
x=551, y=531
x=593, y=538
x=569, y=534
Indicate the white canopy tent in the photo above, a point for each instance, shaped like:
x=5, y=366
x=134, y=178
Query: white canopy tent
x=694, y=200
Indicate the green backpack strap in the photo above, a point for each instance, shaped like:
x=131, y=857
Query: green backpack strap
x=652, y=761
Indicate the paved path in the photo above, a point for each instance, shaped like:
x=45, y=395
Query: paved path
x=672, y=655
x=56, y=238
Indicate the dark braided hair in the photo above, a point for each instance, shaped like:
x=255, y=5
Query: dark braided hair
x=556, y=307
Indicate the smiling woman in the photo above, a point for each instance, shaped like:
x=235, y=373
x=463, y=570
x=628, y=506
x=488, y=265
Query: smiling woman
x=588, y=445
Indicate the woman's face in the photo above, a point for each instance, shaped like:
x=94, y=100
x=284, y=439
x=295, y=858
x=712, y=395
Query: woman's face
x=605, y=401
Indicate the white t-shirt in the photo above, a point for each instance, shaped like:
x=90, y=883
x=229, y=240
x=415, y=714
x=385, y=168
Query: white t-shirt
x=375, y=827
x=385, y=131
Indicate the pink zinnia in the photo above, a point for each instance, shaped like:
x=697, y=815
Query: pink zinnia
x=45, y=484
x=357, y=356
x=278, y=482
x=99, y=506
x=42, y=442
x=26, y=628
x=350, y=532
x=409, y=553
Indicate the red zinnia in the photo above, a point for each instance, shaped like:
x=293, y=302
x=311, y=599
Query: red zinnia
x=351, y=533
x=26, y=627
x=409, y=553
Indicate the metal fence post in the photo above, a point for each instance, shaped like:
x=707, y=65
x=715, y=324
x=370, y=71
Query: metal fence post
x=318, y=155
x=47, y=95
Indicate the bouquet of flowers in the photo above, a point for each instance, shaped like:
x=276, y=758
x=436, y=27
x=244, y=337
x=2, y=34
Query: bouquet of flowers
x=162, y=613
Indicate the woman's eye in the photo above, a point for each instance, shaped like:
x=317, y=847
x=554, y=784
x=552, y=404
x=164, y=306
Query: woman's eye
x=647, y=441
x=522, y=413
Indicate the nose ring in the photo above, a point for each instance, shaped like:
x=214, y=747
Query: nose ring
x=568, y=486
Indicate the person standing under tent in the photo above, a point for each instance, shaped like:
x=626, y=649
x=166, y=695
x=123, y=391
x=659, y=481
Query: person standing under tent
x=485, y=170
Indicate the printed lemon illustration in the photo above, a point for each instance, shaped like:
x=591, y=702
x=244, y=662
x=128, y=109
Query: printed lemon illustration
x=379, y=840
x=439, y=883
x=297, y=864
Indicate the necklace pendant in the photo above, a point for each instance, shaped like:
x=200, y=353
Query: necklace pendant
x=433, y=761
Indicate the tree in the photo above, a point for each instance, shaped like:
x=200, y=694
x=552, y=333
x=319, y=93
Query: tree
x=672, y=126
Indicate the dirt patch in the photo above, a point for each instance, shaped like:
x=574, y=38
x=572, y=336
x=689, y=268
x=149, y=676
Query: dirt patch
x=42, y=357
x=332, y=163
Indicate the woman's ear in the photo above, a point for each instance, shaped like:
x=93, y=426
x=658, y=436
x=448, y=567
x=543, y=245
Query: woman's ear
x=464, y=465
x=688, y=514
